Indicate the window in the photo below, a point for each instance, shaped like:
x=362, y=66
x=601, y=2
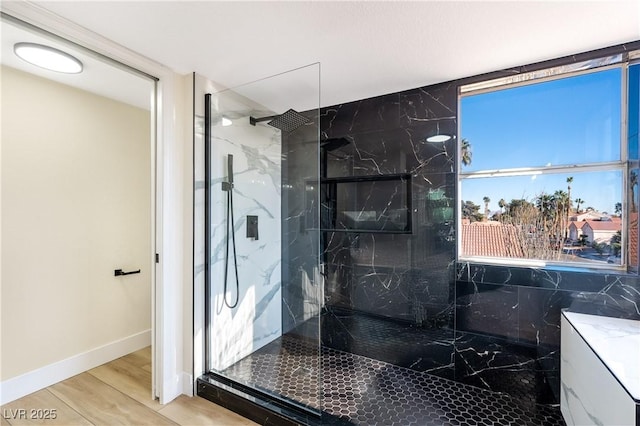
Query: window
x=544, y=164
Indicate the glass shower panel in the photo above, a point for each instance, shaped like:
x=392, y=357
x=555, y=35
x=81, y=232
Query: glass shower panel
x=264, y=292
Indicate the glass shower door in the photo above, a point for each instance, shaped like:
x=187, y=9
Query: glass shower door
x=263, y=287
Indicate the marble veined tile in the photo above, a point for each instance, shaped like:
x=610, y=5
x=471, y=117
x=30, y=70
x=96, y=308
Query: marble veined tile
x=237, y=331
x=616, y=342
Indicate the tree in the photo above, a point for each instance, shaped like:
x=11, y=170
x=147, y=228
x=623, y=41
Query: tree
x=518, y=209
x=486, y=200
x=598, y=247
x=569, y=180
x=525, y=217
x=583, y=240
x=502, y=204
x=562, y=204
x=465, y=152
x=578, y=201
x=618, y=209
x=553, y=219
x=471, y=211
x=616, y=243
x=544, y=203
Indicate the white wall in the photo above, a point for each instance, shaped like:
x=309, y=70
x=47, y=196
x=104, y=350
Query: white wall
x=76, y=204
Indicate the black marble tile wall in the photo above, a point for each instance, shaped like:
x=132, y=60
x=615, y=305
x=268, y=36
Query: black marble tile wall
x=401, y=276
x=516, y=306
x=506, y=366
x=501, y=324
x=429, y=104
x=301, y=281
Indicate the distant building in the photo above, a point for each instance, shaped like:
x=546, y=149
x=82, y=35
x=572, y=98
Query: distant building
x=596, y=226
x=575, y=230
x=601, y=231
x=497, y=239
x=590, y=215
x=491, y=238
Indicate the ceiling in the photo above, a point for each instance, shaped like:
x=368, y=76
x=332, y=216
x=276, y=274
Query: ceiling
x=365, y=48
x=98, y=76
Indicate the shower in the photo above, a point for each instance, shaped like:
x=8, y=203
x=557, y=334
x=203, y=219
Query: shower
x=261, y=293
x=288, y=121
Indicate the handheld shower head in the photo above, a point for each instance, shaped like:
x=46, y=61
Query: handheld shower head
x=228, y=185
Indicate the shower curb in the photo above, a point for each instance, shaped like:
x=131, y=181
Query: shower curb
x=254, y=407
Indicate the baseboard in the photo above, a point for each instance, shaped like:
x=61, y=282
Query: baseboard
x=33, y=381
x=187, y=384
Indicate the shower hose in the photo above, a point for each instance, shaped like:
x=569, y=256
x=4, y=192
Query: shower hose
x=230, y=235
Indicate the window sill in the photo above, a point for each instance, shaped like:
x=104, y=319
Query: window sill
x=541, y=265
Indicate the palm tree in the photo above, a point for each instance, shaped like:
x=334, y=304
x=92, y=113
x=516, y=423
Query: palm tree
x=502, y=203
x=486, y=205
x=569, y=180
x=544, y=203
x=618, y=209
x=578, y=201
x=465, y=152
x=562, y=203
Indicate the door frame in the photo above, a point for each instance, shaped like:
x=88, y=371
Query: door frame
x=171, y=374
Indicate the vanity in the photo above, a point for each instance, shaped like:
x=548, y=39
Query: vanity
x=600, y=370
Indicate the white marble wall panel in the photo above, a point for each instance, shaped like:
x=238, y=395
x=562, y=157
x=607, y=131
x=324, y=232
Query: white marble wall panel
x=590, y=394
x=257, y=319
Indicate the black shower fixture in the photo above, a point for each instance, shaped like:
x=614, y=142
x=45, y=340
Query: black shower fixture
x=332, y=144
x=288, y=121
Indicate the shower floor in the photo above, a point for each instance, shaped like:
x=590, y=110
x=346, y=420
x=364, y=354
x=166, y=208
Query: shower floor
x=355, y=389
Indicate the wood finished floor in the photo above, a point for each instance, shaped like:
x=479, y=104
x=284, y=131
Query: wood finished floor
x=116, y=393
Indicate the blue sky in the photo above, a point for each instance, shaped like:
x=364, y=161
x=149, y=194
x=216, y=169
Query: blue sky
x=601, y=190
x=563, y=122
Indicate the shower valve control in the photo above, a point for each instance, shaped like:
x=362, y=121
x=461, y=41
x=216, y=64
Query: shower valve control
x=252, y=227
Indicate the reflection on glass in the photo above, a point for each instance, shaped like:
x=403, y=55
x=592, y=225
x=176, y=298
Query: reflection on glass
x=569, y=218
x=633, y=102
x=568, y=121
x=633, y=219
x=263, y=144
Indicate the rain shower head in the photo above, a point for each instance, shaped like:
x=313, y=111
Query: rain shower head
x=288, y=121
x=332, y=144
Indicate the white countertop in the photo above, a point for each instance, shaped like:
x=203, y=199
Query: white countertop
x=616, y=342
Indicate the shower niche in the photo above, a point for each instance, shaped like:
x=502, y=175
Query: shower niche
x=375, y=204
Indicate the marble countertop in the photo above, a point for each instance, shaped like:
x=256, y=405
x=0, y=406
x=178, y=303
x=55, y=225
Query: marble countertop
x=616, y=342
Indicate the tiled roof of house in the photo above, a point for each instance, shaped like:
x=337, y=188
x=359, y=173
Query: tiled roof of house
x=604, y=225
x=590, y=215
x=491, y=238
x=578, y=225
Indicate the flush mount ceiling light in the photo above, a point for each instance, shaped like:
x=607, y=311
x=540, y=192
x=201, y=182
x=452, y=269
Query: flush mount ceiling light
x=48, y=58
x=438, y=138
